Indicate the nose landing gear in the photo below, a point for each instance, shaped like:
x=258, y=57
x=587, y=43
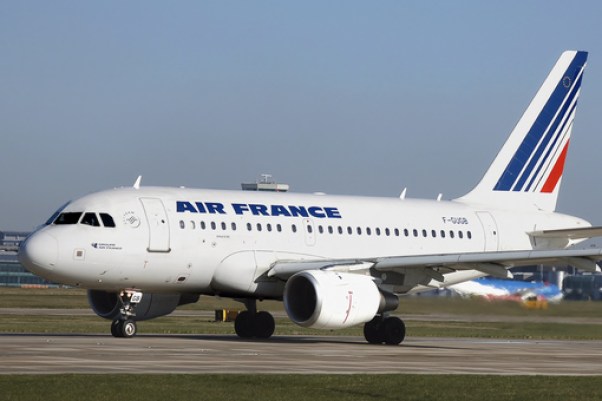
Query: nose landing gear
x=125, y=326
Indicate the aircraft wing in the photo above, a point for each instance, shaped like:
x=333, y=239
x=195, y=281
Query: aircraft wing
x=435, y=266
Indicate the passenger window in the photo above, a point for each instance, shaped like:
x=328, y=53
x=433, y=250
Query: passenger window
x=182, y=224
x=415, y=232
x=469, y=234
x=107, y=220
x=460, y=234
x=434, y=233
x=310, y=229
x=378, y=231
x=330, y=230
x=233, y=226
x=442, y=234
x=68, y=218
x=359, y=231
x=213, y=226
x=424, y=233
x=294, y=228
x=203, y=225
x=269, y=227
x=258, y=226
x=349, y=230
x=223, y=226
x=90, y=219
x=278, y=227
x=451, y=234
x=368, y=231
x=192, y=224
x=406, y=232
x=321, y=229
x=249, y=227
x=397, y=232
x=340, y=229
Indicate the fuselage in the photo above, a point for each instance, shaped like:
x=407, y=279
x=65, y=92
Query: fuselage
x=223, y=242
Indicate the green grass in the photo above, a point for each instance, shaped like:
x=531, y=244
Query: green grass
x=544, y=327
x=298, y=387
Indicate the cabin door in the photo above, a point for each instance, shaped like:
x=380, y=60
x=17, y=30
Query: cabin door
x=158, y=225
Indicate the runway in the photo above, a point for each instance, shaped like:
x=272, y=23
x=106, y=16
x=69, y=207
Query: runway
x=52, y=354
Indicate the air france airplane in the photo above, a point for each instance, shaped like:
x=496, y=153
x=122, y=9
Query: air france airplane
x=335, y=261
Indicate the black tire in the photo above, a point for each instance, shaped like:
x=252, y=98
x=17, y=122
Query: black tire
x=243, y=325
x=373, y=331
x=116, y=328
x=264, y=325
x=128, y=328
x=394, y=331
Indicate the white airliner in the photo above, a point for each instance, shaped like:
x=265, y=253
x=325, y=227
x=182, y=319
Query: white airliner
x=335, y=261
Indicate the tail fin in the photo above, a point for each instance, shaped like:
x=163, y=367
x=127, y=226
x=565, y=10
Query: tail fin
x=527, y=171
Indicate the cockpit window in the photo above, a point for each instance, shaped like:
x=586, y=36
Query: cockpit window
x=107, y=220
x=91, y=220
x=56, y=214
x=68, y=218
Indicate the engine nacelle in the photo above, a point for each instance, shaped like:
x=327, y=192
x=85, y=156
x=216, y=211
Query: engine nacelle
x=331, y=300
x=107, y=305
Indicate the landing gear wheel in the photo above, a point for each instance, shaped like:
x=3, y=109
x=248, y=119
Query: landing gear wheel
x=116, y=328
x=254, y=325
x=123, y=328
x=264, y=325
x=128, y=328
x=390, y=330
x=373, y=332
x=243, y=325
x=393, y=330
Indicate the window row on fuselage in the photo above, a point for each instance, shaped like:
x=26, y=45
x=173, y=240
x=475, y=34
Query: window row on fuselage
x=330, y=229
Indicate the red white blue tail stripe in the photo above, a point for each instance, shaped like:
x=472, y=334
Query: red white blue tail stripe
x=537, y=164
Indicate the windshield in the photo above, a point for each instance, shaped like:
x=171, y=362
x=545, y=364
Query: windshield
x=56, y=214
x=68, y=218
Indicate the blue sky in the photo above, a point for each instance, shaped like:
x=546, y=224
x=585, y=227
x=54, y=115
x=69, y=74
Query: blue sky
x=343, y=97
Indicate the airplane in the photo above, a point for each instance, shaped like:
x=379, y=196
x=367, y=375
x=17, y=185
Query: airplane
x=510, y=290
x=335, y=261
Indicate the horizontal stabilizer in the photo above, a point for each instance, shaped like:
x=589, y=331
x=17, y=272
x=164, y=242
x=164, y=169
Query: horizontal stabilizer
x=569, y=233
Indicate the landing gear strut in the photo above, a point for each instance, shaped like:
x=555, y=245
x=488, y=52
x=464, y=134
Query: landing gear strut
x=125, y=326
x=388, y=330
x=253, y=324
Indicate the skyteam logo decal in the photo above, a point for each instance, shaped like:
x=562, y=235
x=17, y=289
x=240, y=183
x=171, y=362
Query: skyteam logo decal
x=256, y=209
x=538, y=162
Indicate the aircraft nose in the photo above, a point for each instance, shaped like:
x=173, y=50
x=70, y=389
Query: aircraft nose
x=39, y=252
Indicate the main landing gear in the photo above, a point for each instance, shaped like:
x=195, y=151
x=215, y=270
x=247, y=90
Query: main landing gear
x=125, y=326
x=253, y=324
x=388, y=330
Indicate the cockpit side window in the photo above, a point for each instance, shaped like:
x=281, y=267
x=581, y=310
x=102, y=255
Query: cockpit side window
x=90, y=219
x=68, y=218
x=107, y=220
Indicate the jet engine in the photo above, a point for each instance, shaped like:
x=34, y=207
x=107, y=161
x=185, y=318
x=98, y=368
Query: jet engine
x=331, y=300
x=107, y=304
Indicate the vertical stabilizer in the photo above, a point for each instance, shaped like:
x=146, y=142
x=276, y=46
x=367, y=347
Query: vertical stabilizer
x=527, y=171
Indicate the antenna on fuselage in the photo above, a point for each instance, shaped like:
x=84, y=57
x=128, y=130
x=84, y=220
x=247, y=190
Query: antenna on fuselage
x=403, y=193
x=137, y=183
